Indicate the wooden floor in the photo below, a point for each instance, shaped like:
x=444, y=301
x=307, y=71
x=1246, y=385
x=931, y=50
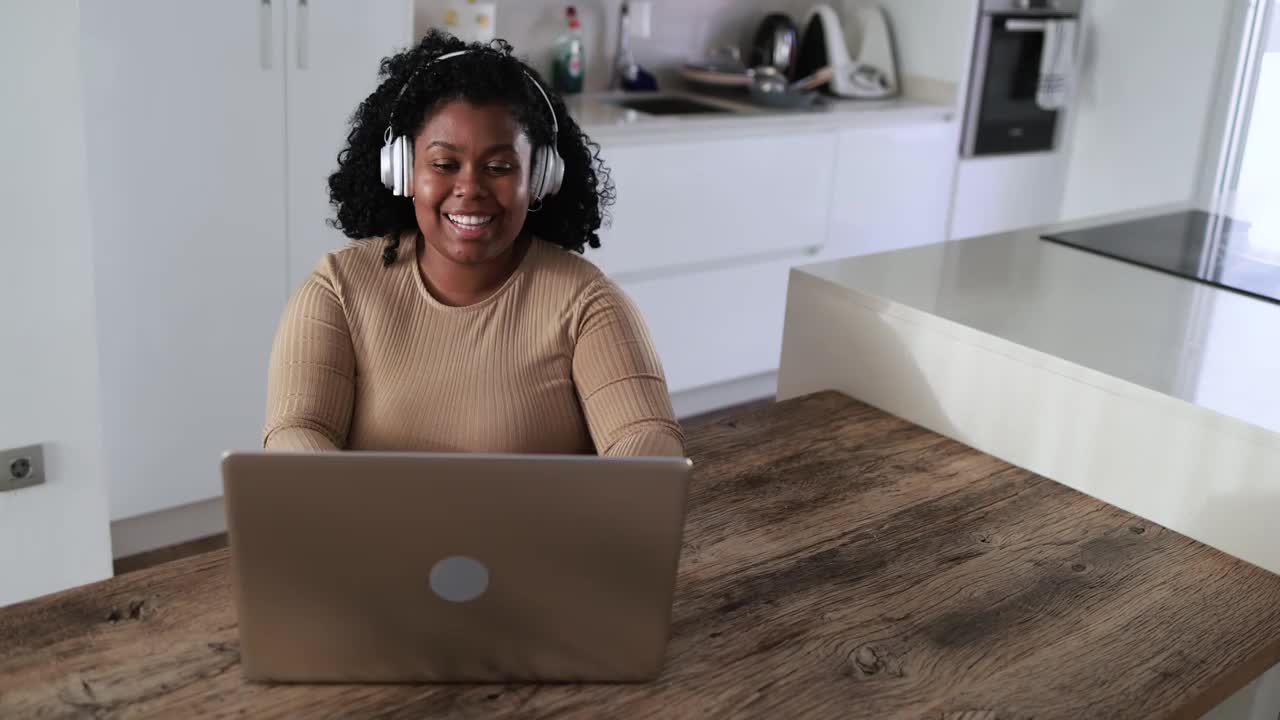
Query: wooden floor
x=152, y=558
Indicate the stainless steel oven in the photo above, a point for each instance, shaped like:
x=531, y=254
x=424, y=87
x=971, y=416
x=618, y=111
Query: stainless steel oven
x=1002, y=114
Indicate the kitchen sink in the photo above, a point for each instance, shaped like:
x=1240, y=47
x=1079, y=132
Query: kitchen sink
x=670, y=106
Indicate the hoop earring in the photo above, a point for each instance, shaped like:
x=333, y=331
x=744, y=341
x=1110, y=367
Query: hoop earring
x=533, y=209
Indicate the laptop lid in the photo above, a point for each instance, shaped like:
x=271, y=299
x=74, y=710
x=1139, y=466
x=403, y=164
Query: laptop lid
x=388, y=567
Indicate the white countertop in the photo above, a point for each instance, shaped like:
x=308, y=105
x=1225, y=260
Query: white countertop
x=1211, y=347
x=603, y=119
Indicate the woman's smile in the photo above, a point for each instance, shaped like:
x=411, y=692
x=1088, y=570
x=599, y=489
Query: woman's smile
x=470, y=225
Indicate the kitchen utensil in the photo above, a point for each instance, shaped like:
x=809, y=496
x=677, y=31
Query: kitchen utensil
x=873, y=42
x=703, y=75
x=775, y=44
x=722, y=68
x=726, y=58
x=768, y=79
x=786, y=99
x=819, y=78
x=770, y=87
x=871, y=73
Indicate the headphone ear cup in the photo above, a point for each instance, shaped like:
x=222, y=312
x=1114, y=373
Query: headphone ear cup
x=408, y=166
x=402, y=166
x=555, y=173
x=397, y=167
x=538, y=174
x=547, y=173
x=385, y=170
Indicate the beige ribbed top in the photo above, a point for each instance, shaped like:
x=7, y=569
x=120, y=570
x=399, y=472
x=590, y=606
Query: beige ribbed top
x=557, y=360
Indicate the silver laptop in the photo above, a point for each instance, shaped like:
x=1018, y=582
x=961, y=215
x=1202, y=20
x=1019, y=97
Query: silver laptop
x=420, y=567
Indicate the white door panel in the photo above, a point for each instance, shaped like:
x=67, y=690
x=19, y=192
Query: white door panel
x=184, y=127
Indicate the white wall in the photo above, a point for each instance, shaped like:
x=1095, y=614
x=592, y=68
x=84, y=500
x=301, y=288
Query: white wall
x=55, y=535
x=934, y=42
x=681, y=30
x=1146, y=102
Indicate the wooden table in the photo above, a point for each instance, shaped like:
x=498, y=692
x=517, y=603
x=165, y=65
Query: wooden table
x=839, y=562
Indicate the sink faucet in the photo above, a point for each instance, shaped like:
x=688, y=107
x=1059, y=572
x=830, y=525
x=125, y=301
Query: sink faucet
x=624, y=65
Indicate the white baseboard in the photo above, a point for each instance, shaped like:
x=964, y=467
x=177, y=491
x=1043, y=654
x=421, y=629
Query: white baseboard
x=710, y=398
x=152, y=531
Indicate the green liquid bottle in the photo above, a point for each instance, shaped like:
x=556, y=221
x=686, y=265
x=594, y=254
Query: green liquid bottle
x=568, y=63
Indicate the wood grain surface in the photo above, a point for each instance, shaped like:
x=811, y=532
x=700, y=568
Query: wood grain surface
x=839, y=562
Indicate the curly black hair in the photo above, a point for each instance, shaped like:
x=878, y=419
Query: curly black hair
x=492, y=74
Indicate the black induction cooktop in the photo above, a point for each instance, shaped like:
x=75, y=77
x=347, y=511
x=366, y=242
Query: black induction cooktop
x=1207, y=247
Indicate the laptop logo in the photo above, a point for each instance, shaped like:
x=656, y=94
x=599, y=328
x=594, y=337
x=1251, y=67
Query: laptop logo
x=459, y=579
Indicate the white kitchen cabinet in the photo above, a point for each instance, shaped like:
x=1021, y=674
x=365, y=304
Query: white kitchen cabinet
x=703, y=236
x=892, y=188
x=207, y=151
x=332, y=66
x=695, y=202
x=714, y=326
x=184, y=123
x=708, y=266
x=1007, y=192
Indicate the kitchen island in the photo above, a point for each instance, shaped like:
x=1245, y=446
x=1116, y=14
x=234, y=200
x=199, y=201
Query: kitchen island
x=837, y=562
x=1155, y=393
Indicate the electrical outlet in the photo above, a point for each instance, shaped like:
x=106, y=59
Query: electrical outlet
x=641, y=20
x=21, y=467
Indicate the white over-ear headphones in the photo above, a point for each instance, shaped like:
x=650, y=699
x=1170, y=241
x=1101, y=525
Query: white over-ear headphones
x=396, y=160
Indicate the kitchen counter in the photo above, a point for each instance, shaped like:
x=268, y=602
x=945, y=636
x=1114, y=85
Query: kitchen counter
x=1155, y=393
x=838, y=562
x=604, y=120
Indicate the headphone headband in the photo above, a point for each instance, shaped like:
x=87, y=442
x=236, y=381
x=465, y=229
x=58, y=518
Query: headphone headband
x=555, y=124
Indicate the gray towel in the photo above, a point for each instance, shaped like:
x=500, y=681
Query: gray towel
x=1057, y=64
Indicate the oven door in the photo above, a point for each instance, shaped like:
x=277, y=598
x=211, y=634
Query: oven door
x=1003, y=116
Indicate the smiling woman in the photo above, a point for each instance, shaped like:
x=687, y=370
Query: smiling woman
x=470, y=189
x=458, y=320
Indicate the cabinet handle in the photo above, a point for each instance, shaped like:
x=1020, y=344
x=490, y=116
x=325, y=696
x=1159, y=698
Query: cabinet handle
x=264, y=34
x=302, y=34
x=1024, y=25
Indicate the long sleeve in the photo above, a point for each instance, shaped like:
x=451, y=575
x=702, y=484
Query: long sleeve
x=619, y=378
x=311, y=380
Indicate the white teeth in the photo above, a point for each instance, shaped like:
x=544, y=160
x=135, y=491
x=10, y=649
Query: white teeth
x=470, y=220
